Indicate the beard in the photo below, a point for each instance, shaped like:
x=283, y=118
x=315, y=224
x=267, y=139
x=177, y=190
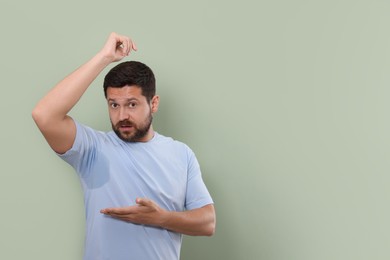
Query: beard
x=136, y=133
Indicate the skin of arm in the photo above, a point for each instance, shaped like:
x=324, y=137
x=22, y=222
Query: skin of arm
x=50, y=114
x=195, y=222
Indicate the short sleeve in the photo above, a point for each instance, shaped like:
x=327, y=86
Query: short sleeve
x=83, y=152
x=197, y=194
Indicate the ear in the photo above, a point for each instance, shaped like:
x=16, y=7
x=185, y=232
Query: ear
x=154, y=103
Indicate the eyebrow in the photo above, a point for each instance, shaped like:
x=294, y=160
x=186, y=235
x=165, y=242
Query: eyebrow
x=127, y=100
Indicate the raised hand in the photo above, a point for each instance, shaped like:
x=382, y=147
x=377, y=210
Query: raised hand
x=117, y=47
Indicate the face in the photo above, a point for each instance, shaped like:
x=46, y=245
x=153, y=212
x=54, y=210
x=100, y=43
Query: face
x=131, y=114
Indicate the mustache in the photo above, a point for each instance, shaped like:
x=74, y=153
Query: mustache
x=124, y=123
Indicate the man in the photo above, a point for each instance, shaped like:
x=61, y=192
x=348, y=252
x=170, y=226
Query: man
x=142, y=190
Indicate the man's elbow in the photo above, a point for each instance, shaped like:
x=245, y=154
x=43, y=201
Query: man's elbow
x=42, y=117
x=211, y=225
x=210, y=230
x=37, y=115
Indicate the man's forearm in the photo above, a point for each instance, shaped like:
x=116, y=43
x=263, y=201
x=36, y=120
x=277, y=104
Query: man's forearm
x=62, y=98
x=196, y=222
x=50, y=114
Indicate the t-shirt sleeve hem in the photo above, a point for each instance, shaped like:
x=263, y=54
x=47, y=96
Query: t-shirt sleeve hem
x=75, y=145
x=199, y=204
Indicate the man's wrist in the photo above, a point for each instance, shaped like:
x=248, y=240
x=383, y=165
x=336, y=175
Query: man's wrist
x=165, y=217
x=103, y=59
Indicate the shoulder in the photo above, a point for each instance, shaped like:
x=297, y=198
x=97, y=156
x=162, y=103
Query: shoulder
x=162, y=139
x=173, y=145
x=88, y=135
x=89, y=131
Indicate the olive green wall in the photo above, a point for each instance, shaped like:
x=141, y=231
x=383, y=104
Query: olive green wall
x=284, y=102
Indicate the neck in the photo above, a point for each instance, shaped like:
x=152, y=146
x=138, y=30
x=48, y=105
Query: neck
x=149, y=136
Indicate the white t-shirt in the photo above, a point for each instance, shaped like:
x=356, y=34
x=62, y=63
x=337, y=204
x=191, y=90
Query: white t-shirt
x=114, y=173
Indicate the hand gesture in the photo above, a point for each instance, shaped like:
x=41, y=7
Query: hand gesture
x=146, y=212
x=117, y=47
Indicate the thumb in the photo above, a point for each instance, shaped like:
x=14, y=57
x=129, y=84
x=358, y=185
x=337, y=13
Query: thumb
x=133, y=45
x=143, y=201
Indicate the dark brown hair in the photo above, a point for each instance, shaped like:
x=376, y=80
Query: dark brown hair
x=131, y=73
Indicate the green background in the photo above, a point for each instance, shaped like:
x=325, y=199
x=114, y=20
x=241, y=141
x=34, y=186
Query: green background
x=284, y=102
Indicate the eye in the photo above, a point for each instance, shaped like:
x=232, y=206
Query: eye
x=132, y=104
x=114, y=105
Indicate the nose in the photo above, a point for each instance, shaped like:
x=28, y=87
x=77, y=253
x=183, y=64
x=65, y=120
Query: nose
x=123, y=114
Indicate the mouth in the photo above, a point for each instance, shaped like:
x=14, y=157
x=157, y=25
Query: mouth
x=125, y=126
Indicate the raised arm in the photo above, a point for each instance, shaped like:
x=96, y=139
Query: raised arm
x=195, y=222
x=50, y=114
